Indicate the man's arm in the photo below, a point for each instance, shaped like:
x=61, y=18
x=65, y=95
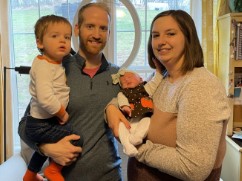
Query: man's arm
x=62, y=152
x=114, y=116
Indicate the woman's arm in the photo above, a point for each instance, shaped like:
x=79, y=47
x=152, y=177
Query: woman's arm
x=202, y=113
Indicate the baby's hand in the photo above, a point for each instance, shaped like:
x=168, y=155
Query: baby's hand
x=127, y=110
x=64, y=118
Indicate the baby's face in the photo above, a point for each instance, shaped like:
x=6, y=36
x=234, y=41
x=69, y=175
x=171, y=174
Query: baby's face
x=130, y=80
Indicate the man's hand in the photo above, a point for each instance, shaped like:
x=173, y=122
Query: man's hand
x=62, y=152
x=114, y=117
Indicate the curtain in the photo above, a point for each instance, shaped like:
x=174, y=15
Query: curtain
x=5, y=61
x=207, y=34
x=212, y=9
x=216, y=5
x=1, y=98
x=1, y=107
x=220, y=8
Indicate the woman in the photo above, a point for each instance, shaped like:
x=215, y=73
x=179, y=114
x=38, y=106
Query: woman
x=186, y=138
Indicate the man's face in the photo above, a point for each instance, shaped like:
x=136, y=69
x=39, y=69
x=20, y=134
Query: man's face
x=93, y=32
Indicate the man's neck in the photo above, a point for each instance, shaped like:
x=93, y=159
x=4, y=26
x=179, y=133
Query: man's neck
x=92, y=61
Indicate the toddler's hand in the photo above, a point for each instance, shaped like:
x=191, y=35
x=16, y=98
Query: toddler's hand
x=64, y=118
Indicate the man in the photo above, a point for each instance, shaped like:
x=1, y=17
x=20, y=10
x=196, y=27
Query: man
x=89, y=78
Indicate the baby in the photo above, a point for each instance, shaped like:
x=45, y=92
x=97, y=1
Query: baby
x=135, y=101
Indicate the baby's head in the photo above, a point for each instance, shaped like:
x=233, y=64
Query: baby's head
x=127, y=78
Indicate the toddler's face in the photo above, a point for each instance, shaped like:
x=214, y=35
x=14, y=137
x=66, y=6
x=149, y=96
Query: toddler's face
x=56, y=41
x=130, y=80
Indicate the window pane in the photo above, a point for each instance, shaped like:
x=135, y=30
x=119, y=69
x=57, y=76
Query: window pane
x=23, y=100
x=125, y=41
x=146, y=10
x=24, y=15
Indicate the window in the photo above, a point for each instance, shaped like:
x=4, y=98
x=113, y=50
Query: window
x=123, y=41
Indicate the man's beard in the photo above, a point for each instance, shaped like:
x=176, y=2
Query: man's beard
x=88, y=48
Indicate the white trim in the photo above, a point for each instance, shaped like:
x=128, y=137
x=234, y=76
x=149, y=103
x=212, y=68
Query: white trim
x=137, y=26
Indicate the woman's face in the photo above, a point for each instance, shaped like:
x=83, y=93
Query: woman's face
x=168, y=42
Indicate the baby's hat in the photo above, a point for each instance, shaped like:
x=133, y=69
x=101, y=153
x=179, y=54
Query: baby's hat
x=121, y=72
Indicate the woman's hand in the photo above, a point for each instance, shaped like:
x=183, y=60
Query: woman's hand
x=62, y=152
x=114, y=117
